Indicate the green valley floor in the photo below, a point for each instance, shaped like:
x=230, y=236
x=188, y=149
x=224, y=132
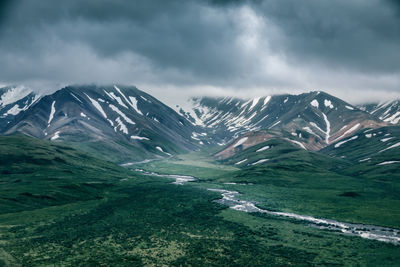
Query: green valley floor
x=62, y=207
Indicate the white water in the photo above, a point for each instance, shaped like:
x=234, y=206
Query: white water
x=179, y=179
x=384, y=234
x=230, y=199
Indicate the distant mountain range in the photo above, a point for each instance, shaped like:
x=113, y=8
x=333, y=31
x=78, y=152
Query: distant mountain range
x=314, y=119
x=122, y=123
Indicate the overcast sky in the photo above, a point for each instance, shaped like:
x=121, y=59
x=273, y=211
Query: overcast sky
x=174, y=49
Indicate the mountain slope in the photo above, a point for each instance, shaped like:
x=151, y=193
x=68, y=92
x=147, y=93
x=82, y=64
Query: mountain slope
x=374, y=146
x=319, y=116
x=387, y=111
x=119, y=122
x=37, y=173
x=13, y=100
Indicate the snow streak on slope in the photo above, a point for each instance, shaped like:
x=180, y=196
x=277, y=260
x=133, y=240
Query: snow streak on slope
x=121, y=125
x=97, y=106
x=139, y=137
x=126, y=99
x=121, y=114
x=134, y=104
x=298, y=143
x=345, y=141
x=161, y=150
x=328, y=128
x=240, y=162
x=259, y=161
x=52, y=111
x=241, y=141
x=352, y=129
x=116, y=98
x=392, y=146
x=55, y=136
x=388, y=162
x=255, y=101
x=14, y=110
x=262, y=149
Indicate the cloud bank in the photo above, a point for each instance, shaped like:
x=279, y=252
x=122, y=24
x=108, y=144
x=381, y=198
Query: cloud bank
x=185, y=48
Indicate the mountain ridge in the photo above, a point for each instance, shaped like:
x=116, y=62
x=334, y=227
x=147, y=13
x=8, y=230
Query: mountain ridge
x=125, y=120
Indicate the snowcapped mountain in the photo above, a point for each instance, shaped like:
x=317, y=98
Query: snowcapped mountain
x=387, y=111
x=125, y=124
x=122, y=123
x=13, y=100
x=313, y=119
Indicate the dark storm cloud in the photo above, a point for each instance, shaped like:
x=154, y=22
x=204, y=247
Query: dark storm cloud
x=238, y=45
x=170, y=34
x=364, y=35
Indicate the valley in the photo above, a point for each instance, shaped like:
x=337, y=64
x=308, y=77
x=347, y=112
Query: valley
x=137, y=183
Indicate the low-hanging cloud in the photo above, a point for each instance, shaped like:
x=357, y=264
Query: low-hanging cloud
x=234, y=47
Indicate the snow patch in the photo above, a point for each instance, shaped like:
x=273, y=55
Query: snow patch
x=392, y=146
x=126, y=99
x=328, y=103
x=315, y=103
x=386, y=139
x=76, y=97
x=308, y=130
x=14, y=110
x=116, y=98
x=52, y=111
x=328, y=128
x=134, y=104
x=136, y=137
x=266, y=100
x=97, y=106
x=55, y=136
x=121, y=125
x=240, y=162
x=345, y=141
x=263, y=148
x=255, y=101
x=121, y=114
x=241, y=141
x=273, y=125
x=394, y=118
x=349, y=107
x=388, y=162
x=298, y=143
x=160, y=149
x=259, y=161
x=352, y=129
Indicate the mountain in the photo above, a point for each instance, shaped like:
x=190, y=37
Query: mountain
x=387, y=111
x=316, y=119
x=13, y=100
x=373, y=146
x=121, y=123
